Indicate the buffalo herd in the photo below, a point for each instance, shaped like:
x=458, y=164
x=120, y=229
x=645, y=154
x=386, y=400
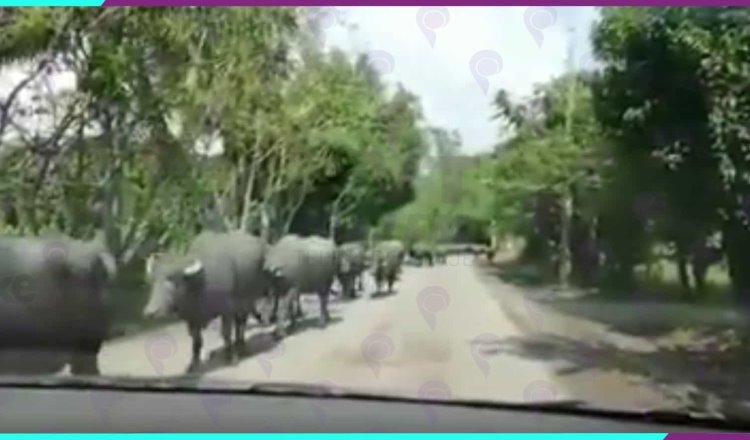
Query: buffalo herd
x=54, y=290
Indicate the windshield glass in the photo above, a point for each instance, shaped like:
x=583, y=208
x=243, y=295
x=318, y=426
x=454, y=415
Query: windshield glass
x=507, y=204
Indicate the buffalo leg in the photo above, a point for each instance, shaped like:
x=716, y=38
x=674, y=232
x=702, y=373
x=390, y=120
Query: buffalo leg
x=197, y=337
x=253, y=309
x=360, y=283
x=324, y=316
x=298, y=300
x=296, y=307
x=84, y=361
x=283, y=304
x=347, y=286
x=226, y=334
x=274, y=308
x=240, y=324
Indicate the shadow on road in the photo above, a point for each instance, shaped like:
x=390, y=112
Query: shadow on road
x=698, y=354
x=690, y=376
x=256, y=344
x=383, y=294
x=642, y=313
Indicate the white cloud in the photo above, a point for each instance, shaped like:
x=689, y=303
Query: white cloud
x=432, y=59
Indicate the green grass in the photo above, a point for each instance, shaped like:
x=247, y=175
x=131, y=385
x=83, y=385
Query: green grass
x=661, y=284
x=664, y=280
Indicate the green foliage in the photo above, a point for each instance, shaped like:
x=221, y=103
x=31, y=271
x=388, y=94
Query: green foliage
x=189, y=118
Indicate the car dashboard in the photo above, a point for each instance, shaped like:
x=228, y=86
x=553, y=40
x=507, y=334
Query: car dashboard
x=40, y=407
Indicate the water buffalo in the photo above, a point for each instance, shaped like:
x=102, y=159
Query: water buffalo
x=298, y=265
x=351, y=265
x=221, y=276
x=387, y=259
x=441, y=254
x=52, y=304
x=422, y=254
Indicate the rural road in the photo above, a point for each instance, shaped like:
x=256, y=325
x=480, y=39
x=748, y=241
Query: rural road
x=439, y=336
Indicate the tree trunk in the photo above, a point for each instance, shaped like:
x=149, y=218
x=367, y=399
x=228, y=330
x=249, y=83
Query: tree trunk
x=332, y=221
x=737, y=248
x=566, y=214
x=265, y=224
x=682, y=270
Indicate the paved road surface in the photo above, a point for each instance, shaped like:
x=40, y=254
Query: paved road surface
x=434, y=337
x=440, y=335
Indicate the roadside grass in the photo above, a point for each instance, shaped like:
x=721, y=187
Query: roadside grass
x=659, y=282
x=656, y=308
x=663, y=282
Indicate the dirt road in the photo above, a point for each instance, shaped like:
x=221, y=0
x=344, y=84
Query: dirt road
x=443, y=334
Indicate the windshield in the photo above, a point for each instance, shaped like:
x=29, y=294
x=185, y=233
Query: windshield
x=506, y=204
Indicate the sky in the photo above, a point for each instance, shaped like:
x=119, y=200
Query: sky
x=457, y=58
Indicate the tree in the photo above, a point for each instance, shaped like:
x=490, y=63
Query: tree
x=694, y=60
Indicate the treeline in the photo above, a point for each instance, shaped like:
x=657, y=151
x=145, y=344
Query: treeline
x=182, y=119
x=453, y=197
x=645, y=158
